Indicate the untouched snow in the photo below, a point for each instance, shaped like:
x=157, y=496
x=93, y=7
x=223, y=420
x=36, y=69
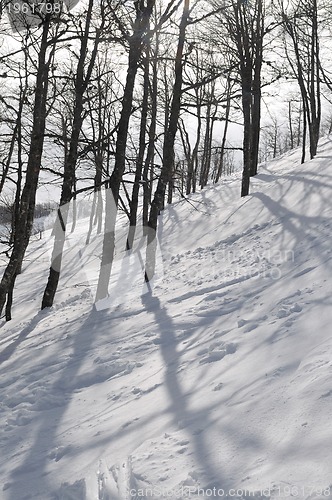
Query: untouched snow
x=218, y=384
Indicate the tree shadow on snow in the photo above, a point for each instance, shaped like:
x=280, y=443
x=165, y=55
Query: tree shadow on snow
x=34, y=472
x=194, y=422
x=6, y=353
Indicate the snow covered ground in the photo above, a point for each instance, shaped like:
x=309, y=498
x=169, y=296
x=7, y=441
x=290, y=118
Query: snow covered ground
x=217, y=385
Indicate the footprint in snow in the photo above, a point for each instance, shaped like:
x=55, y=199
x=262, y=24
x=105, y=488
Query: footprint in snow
x=286, y=310
x=216, y=352
x=251, y=325
x=20, y=418
x=140, y=392
x=58, y=453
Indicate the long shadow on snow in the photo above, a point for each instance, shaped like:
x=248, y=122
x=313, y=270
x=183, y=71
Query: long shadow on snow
x=33, y=470
x=301, y=226
x=10, y=349
x=179, y=400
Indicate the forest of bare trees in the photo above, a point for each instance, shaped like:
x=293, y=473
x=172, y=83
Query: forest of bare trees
x=138, y=103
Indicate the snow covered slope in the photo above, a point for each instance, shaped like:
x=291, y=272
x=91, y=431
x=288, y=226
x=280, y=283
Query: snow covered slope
x=219, y=384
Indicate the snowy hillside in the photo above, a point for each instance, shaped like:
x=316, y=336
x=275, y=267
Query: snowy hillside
x=218, y=384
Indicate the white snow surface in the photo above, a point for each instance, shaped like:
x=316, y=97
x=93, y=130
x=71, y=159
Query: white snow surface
x=216, y=385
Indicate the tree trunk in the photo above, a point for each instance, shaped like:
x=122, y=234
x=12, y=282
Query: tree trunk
x=149, y=159
x=136, y=45
x=246, y=105
x=224, y=137
x=140, y=157
x=70, y=162
x=168, y=149
x=28, y=197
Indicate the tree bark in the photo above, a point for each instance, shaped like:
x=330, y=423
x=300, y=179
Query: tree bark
x=168, y=149
x=70, y=162
x=28, y=197
x=136, y=45
x=140, y=157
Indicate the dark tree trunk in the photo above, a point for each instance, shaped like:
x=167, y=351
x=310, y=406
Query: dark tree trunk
x=258, y=33
x=168, y=149
x=140, y=157
x=149, y=159
x=224, y=137
x=290, y=125
x=136, y=46
x=70, y=162
x=246, y=27
x=28, y=197
x=315, y=99
x=246, y=107
x=302, y=28
x=97, y=198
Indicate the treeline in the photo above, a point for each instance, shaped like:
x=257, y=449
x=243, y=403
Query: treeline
x=139, y=99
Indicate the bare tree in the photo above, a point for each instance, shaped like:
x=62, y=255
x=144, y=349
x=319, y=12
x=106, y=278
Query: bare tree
x=245, y=29
x=46, y=51
x=83, y=73
x=137, y=43
x=168, y=148
x=300, y=22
